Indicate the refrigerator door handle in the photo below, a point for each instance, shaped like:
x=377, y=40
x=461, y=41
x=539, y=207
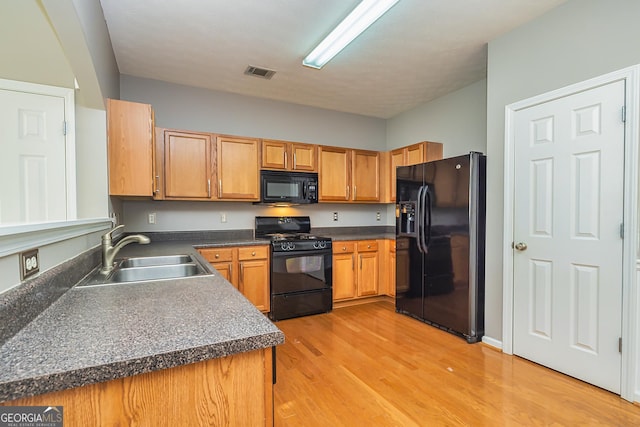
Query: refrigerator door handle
x=422, y=196
x=427, y=195
x=418, y=220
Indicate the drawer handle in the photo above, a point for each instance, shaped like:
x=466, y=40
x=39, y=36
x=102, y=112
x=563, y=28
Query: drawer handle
x=217, y=255
x=253, y=253
x=344, y=248
x=368, y=246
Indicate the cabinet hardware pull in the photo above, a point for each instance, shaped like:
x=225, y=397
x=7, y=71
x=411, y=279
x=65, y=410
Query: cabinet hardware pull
x=295, y=163
x=347, y=192
x=344, y=248
x=354, y=192
x=209, y=188
x=368, y=246
x=220, y=189
x=285, y=159
x=360, y=262
x=217, y=255
x=157, y=190
x=353, y=261
x=253, y=253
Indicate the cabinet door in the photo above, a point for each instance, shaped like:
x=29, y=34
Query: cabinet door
x=391, y=288
x=226, y=270
x=254, y=282
x=304, y=157
x=274, y=154
x=344, y=280
x=237, y=166
x=368, y=278
x=365, y=176
x=397, y=159
x=415, y=154
x=333, y=174
x=187, y=160
x=367, y=274
x=130, y=148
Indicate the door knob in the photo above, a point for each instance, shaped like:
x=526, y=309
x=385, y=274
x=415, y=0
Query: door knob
x=520, y=246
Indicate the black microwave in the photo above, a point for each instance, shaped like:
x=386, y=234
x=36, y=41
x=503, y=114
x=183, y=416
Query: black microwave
x=277, y=187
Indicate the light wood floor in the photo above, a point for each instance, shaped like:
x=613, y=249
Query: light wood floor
x=368, y=366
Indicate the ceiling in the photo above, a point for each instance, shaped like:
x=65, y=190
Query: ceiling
x=419, y=51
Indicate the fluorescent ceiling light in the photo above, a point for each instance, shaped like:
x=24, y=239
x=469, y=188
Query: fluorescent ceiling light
x=365, y=14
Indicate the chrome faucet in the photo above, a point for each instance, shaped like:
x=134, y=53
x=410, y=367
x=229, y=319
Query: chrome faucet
x=109, y=251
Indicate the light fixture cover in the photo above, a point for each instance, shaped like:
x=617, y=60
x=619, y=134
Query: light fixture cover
x=365, y=14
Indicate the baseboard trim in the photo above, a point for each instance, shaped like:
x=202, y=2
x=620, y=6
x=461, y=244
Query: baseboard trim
x=492, y=342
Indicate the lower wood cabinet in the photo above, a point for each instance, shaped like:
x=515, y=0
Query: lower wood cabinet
x=246, y=268
x=235, y=390
x=356, y=267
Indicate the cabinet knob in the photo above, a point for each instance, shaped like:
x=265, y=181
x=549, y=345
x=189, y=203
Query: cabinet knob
x=253, y=253
x=217, y=255
x=344, y=248
x=368, y=246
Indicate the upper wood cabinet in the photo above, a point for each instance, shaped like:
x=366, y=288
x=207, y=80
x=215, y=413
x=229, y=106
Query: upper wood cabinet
x=237, y=168
x=365, y=176
x=284, y=155
x=334, y=174
x=411, y=155
x=348, y=175
x=188, y=169
x=130, y=147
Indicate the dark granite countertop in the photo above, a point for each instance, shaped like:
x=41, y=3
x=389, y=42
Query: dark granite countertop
x=95, y=334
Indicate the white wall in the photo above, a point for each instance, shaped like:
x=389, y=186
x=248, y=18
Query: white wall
x=50, y=42
x=184, y=107
x=458, y=120
x=91, y=163
x=578, y=40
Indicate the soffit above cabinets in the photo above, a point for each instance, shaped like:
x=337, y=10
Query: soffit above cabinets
x=419, y=51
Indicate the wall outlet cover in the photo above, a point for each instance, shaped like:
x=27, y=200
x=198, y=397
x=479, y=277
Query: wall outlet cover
x=29, y=263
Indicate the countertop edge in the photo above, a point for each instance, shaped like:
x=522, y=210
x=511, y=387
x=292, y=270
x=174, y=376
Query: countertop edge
x=59, y=381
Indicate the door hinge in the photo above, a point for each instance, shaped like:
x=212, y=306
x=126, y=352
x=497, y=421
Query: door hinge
x=624, y=114
x=64, y=127
x=620, y=344
x=622, y=230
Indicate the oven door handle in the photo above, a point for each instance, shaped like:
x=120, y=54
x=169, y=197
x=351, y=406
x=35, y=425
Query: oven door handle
x=320, y=252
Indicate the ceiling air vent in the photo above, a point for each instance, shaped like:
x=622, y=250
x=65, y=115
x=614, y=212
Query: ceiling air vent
x=259, y=72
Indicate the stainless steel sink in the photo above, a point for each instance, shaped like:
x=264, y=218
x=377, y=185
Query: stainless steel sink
x=154, y=272
x=155, y=260
x=143, y=269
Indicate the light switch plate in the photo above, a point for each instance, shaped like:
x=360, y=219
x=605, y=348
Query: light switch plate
x=29, y=263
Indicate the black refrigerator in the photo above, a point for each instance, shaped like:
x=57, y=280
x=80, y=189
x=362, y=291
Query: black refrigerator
x=440, y=240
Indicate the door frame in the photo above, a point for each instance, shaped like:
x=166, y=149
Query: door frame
x=630, y=258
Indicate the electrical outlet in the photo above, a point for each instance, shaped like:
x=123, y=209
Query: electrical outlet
x=223, y=217
x=152, y=218
x=378, y=216
x=335, y=216
x=29, y=263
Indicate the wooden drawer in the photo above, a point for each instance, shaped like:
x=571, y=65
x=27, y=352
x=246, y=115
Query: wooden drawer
x=343, y=247
x=253, y=252
x=217, y=254
x=367, y=246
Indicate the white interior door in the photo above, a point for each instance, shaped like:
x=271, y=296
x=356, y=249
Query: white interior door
x=32, y=172
x=569, y=163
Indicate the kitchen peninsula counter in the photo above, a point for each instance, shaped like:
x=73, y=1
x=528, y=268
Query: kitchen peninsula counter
x=96, y=334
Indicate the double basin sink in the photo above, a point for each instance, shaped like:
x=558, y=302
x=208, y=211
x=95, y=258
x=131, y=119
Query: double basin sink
x=140, y=269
